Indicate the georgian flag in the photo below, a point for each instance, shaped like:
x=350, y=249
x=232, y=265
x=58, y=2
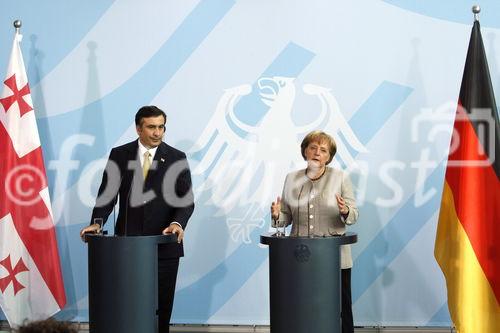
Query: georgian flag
x=31, y=284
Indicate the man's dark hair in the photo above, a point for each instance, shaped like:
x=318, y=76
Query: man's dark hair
x=149, y=111
x=47, y=326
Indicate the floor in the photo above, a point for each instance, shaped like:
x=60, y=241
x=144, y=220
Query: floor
x=83, y=328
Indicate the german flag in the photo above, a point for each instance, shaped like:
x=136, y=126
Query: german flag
x=468, y=236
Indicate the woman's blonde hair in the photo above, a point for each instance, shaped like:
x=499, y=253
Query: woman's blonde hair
x=319, y=137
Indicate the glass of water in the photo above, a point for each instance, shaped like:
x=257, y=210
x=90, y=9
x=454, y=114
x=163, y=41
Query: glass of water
x=100, y=222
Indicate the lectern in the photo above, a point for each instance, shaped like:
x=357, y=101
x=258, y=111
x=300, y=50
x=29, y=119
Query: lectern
x=304, y=281
x=123, y=283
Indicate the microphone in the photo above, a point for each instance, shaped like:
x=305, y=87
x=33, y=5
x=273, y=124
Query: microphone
x=127, y=203
x=114, y=219
x=308, y=220
x=114, y=209
x=298, y=211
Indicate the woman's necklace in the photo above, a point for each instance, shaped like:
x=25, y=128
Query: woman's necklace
x=316, y=178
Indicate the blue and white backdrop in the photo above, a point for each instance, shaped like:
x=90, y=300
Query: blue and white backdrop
x=242, y=82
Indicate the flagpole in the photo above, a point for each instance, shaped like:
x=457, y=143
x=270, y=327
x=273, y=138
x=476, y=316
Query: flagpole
x=17, y=25
x=476, y=10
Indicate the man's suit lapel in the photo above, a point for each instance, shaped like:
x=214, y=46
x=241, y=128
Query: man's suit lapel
x=132, y=173
x=132, y=164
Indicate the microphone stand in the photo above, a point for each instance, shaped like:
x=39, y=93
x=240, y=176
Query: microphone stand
x=127, y=203
x=278, y=232
x=298, y=210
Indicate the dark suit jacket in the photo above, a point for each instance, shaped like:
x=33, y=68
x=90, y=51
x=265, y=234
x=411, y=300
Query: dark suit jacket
x=147, y=207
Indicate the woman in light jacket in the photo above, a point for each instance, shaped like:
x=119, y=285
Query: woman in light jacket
x=319, y=201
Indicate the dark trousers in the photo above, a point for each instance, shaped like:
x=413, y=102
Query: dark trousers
x=346, y=314
x=167, y=276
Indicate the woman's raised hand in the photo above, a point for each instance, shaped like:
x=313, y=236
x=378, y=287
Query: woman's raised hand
x=275, y=209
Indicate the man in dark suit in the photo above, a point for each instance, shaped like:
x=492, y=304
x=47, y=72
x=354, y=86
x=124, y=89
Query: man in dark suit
x=153, y=183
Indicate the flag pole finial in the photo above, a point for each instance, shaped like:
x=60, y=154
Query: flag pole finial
x=17, y=25
x=476, y=9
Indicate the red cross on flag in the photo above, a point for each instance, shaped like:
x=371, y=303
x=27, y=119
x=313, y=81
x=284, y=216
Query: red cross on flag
x=31, y=284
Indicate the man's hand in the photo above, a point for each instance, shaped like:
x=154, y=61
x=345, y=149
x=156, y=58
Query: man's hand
x=91, y=229
x=174, y=228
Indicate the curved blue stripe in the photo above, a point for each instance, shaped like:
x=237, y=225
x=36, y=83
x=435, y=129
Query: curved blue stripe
x=99, y=119
x=455, y=11
x=215, y=288
x=49, y=31
x=291, y=61
x=394, y=237
x=377, y=109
